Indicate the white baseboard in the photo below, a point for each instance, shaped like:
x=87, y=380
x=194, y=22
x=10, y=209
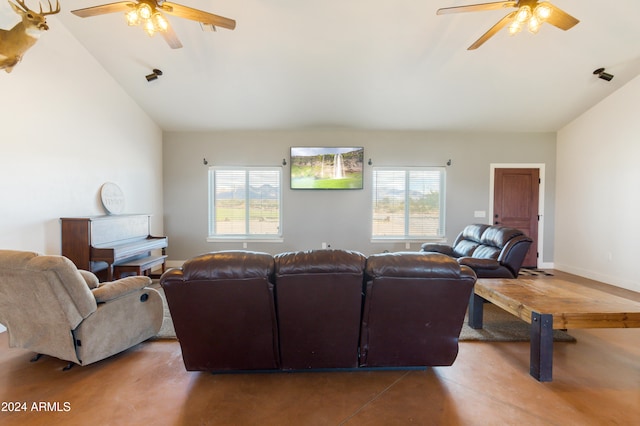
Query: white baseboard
x=604, y=278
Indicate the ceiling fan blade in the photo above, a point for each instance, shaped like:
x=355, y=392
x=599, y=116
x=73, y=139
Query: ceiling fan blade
x=171, y=38
x=197, y=15
x=560, y=18
x=122, y=6
x=477, y=7
x=493, y=30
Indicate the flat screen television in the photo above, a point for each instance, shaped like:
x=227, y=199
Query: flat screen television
x=326, y=167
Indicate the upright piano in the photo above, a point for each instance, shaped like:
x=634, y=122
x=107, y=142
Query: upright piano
x=97, y=243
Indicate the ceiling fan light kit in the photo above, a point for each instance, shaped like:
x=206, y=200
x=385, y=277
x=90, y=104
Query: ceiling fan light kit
x=152, y=20
x=534, y=19
x=531, y=13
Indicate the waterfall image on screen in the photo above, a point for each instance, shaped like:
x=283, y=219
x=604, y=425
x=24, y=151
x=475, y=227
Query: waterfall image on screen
x=338, y=168
x=326, y=167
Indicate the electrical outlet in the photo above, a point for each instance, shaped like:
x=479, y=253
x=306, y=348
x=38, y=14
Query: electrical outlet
x=324, y=245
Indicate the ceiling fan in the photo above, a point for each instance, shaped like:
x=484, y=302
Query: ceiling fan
x=149, y=14
x=532, y=13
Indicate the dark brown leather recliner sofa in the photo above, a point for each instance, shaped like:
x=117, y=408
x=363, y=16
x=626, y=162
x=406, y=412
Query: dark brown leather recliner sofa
x=317, y=309
x=492, y=251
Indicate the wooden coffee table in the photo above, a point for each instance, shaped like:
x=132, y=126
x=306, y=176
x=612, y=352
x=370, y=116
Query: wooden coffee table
x=549, y=303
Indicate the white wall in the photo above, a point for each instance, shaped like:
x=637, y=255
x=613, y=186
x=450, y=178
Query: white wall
x=598, y=191
x=66, y=128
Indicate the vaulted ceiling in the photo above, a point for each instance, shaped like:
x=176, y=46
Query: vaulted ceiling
x=369, y=64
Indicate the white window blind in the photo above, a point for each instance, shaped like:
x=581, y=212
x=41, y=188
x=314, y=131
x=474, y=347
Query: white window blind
x=408, y=203
x=245, y=202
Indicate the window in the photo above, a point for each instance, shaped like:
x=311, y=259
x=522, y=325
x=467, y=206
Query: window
x=245, y=202
x=408, y=202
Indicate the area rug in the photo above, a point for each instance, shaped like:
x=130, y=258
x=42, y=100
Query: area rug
x=529, y=272
x=501, y=326
x=498, y=326
x=166, y=331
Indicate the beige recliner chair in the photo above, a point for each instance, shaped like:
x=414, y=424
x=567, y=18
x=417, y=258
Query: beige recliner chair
x=52, y=308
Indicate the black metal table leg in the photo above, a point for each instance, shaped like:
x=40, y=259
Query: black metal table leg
x=476, y=308
x=541, y=362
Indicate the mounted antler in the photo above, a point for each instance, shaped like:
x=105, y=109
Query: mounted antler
x=16, y=41
x=50, y=12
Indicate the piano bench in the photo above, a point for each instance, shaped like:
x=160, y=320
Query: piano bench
x=139, y=266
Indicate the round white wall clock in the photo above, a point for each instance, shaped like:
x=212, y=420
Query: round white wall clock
x=112, y=198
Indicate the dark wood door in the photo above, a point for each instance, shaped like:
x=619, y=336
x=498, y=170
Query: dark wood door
x=515, y=204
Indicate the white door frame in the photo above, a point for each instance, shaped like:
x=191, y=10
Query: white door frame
x=541, y=167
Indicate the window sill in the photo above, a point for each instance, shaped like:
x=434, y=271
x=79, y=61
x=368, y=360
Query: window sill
x=409, y=240
x=244, y=239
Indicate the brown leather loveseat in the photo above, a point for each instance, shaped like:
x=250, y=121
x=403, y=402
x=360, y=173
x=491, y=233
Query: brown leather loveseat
x=492, y=251
x=241, y=310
